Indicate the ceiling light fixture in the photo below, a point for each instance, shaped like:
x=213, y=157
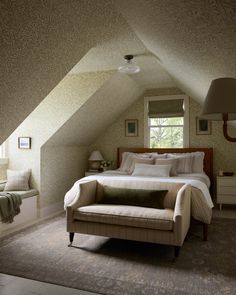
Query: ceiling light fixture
x=129, y=67
x=220, y=103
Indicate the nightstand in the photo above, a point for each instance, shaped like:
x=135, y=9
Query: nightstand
x=88, y=173
x=226, y=190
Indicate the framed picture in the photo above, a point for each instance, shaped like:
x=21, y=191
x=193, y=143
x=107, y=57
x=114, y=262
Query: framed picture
x=24, y=142
x=131, y=127
x=203, y=126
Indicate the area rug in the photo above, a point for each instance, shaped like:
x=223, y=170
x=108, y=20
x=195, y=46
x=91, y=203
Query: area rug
x=111, y=266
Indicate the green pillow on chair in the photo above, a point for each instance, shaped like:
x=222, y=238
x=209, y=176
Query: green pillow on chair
x=133, y=197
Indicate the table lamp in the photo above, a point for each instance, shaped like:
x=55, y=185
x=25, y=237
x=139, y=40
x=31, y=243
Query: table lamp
x=95, y=160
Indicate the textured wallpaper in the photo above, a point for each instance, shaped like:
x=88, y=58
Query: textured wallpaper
x=45, y=120
x=41, y=41
x=194, y=40
x=60, y=167
x=224, y=152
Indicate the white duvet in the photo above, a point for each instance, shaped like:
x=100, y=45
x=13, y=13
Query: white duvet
x=201, y=202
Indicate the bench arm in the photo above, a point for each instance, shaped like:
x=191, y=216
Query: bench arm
x=182, y=213
x=81, y=194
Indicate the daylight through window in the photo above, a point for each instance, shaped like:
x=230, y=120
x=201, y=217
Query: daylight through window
x=166, y=123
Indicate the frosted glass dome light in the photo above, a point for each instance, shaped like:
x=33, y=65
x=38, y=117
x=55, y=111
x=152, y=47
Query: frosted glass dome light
x=129, y=67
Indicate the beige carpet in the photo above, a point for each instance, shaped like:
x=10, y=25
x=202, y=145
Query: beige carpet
x=110, y=266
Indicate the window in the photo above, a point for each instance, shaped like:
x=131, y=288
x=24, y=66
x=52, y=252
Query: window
x=166, y=121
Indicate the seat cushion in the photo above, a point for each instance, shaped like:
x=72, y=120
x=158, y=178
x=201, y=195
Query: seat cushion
x=25, y=194
x=161, y=219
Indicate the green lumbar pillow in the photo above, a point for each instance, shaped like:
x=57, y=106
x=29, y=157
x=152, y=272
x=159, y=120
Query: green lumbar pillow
x=133, y=197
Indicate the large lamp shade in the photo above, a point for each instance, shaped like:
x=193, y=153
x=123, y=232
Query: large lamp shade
x=220, y=99
x=220, y=103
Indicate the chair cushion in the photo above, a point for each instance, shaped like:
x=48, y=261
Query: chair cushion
x=161, y=219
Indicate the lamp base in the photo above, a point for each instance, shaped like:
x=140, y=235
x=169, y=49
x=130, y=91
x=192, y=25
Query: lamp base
x=94, y=165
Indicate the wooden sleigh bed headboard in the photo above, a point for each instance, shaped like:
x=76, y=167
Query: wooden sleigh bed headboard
x=208, y=159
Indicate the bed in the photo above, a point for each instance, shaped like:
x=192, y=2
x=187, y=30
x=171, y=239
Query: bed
x=200, y=183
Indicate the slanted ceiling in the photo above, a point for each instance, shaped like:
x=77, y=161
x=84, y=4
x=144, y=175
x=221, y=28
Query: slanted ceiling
x=99, y=112
x=195, y=40
x=41, y=41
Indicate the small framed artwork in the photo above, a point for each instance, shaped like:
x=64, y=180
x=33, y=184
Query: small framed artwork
x=203, y=126
x=131, y=127
x=24, y=142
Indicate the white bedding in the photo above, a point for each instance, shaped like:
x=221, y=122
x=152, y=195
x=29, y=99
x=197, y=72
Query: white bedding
x=195, y=176
x=201, y=202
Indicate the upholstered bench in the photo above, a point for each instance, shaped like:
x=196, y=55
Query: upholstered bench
x=87, y=214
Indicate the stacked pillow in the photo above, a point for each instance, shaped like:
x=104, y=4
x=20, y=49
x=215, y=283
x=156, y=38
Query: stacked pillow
x=189, y=162
x=152, y=170
x=178, y=162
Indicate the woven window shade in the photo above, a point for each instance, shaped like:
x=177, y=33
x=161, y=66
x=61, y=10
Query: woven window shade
x=166, y=108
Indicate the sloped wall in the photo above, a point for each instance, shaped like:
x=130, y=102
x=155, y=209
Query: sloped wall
x=64, y=157
x=63, y=125
x=47, y=118
x=41, y=41
x=61, y=166
x=195, y=40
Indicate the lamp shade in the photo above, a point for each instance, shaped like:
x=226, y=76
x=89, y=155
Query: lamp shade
x=220, y=99
x=96, y=156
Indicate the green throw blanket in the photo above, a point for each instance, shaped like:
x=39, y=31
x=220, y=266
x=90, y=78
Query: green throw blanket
x=9, y=206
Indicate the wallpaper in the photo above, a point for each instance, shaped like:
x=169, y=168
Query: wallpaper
x=107, y=143
x=60, y=167
x=45, y=120
x=194, y=40
x=41, y=41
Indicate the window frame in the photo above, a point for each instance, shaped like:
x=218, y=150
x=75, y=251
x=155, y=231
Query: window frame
x=186, y=117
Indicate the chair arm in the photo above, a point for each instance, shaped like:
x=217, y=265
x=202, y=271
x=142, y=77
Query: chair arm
x=84, y=194
x=182, y=213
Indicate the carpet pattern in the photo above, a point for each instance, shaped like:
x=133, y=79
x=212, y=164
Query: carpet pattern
x=111, y=266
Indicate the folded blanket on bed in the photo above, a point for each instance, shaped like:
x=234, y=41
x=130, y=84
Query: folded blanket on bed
x=9, y=206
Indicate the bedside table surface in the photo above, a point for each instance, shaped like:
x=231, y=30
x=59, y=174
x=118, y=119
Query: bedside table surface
x=88, y=173
x=226, y=190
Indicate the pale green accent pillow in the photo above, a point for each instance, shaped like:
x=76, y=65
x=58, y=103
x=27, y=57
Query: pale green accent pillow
x=133, y=197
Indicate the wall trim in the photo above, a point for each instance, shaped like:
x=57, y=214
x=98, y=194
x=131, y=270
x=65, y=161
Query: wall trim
x=51, y=209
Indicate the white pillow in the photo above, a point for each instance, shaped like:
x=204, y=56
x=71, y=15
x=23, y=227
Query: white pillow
x=171, y=161
x=151, y=170
x=198, y=158
x=135, y=160
x=197, y=161
x=17, y=180
x=184, y=163
x=127, y=159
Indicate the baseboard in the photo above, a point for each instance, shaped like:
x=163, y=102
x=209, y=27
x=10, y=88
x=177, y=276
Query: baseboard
x=41, y=215
x=51, y=209
x=28, y=224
